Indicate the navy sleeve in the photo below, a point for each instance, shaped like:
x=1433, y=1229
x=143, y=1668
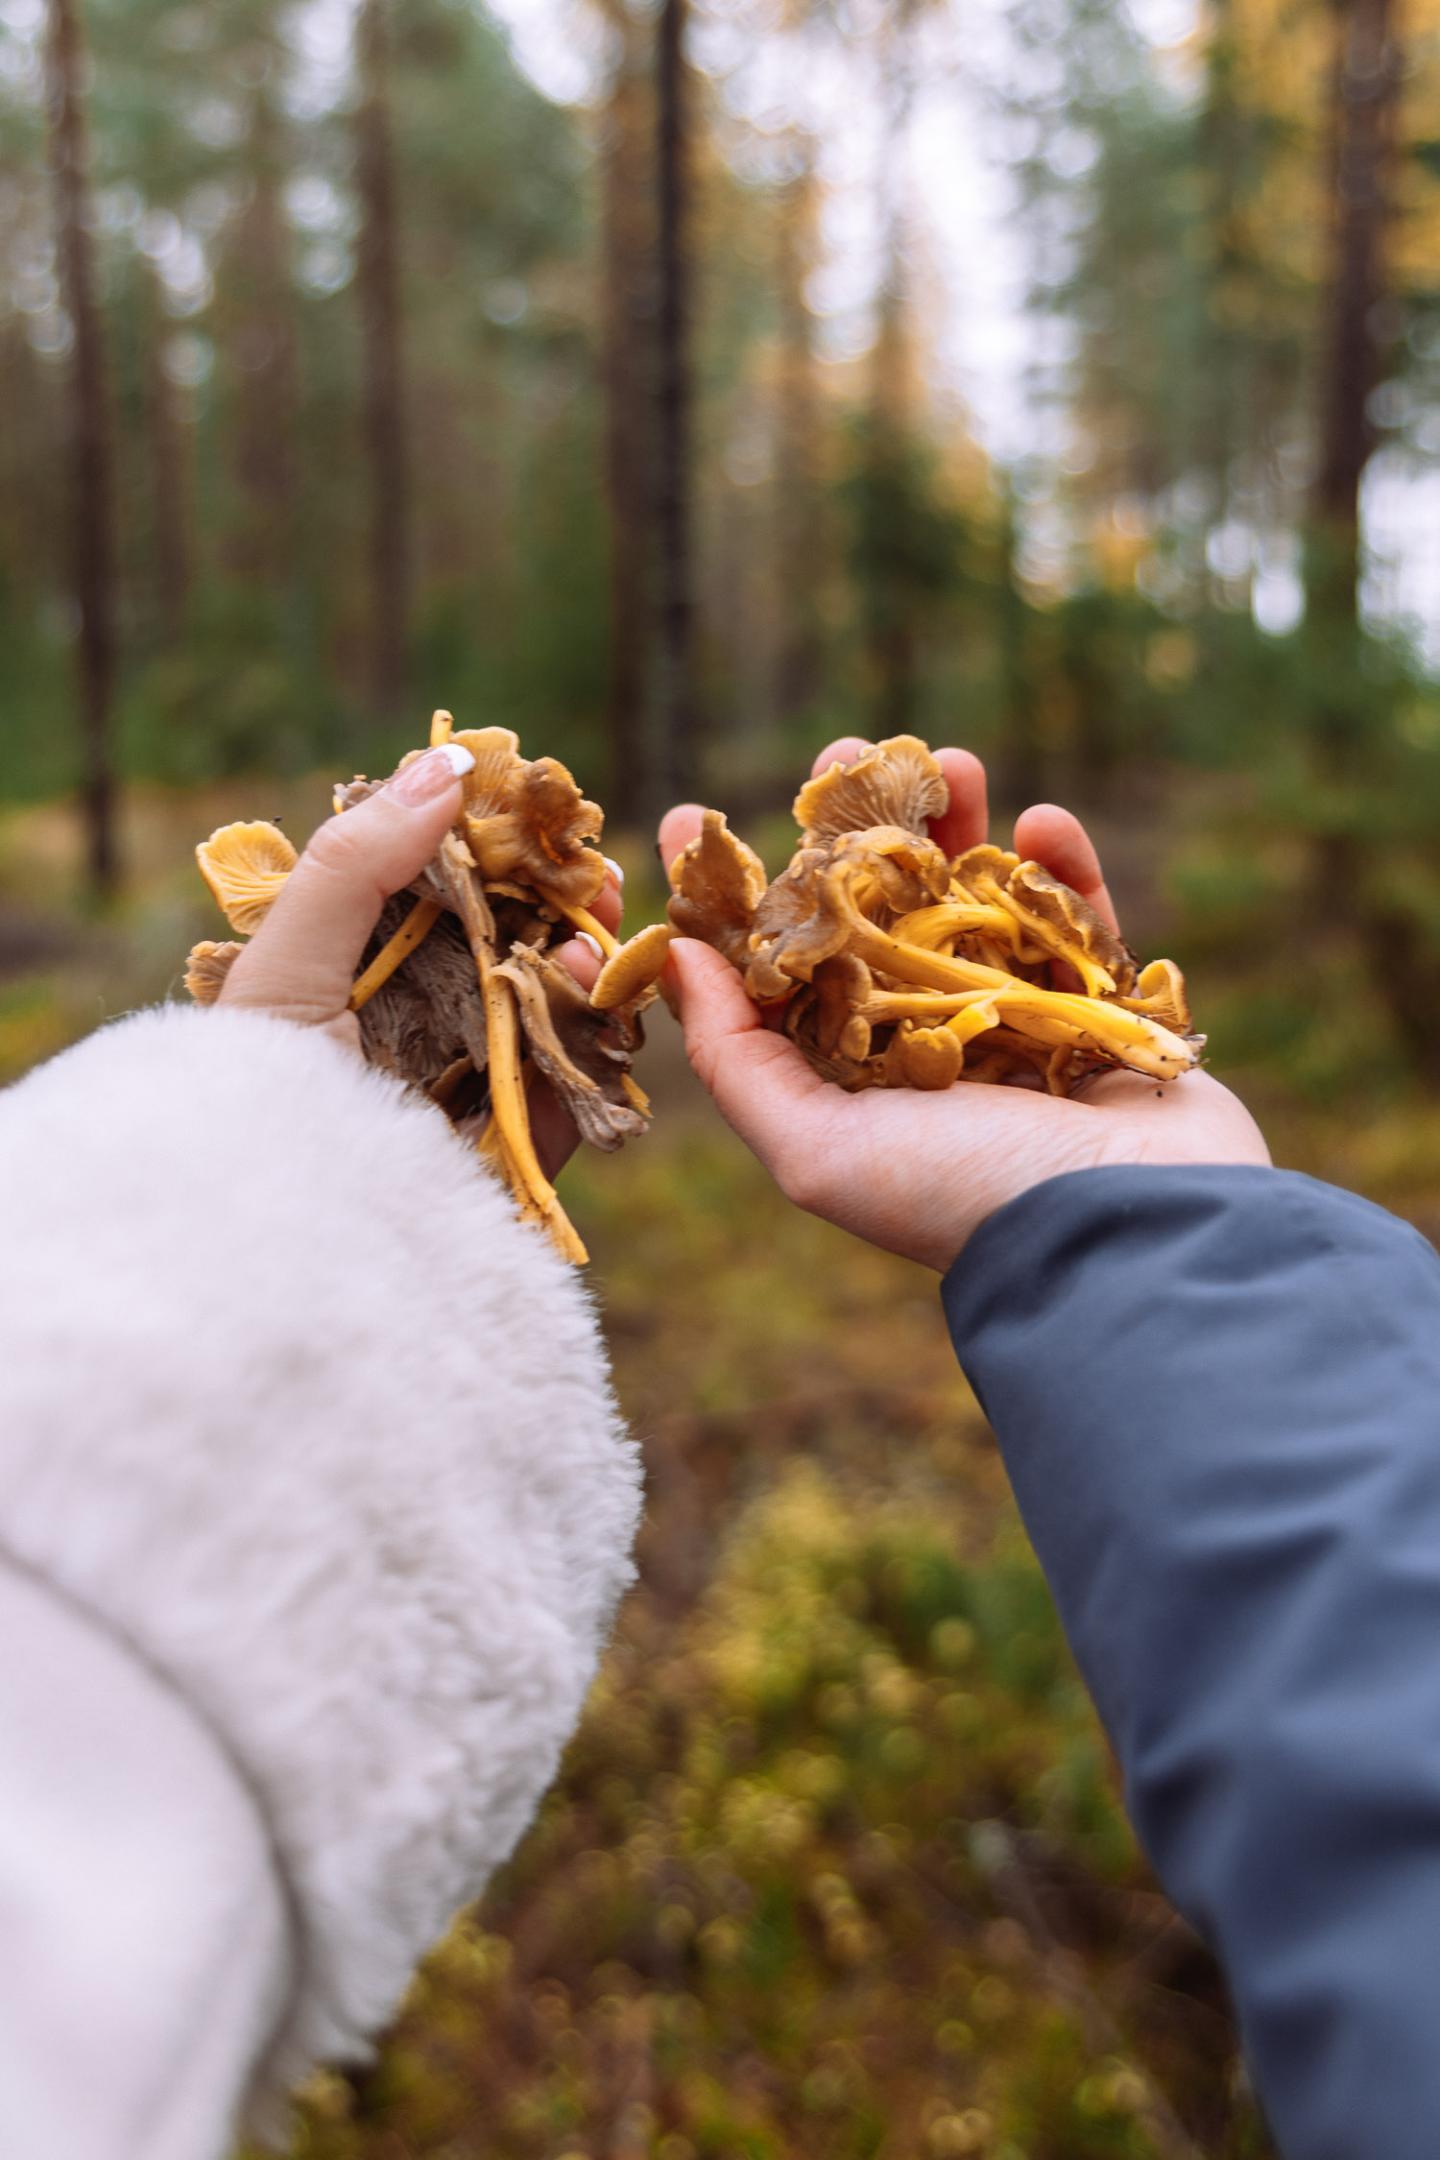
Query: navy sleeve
x=1217, y=1392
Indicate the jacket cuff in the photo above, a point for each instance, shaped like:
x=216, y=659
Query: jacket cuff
x=1120, y=1330
x=300, y=1409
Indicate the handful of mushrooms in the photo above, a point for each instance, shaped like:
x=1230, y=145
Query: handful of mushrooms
x=894, y=965
x=460, y=993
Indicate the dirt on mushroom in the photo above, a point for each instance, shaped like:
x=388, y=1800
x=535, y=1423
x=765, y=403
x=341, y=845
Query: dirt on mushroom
x=460, y=994
x=892, y=964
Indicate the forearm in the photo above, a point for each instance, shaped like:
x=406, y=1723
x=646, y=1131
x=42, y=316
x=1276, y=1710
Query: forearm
x=146, y=1953
x=292, y=1403
x=1218, y=1396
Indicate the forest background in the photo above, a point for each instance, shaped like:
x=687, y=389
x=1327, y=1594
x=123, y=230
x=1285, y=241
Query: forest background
x=684, y=384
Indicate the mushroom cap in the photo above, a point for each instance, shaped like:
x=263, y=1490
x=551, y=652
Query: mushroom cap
x=1160, y=991
x=207, y=968
x=1053, y=912
x=811, y=911
x=897, y=782
x=245, y=867
x=634, y=969
x=983, y=866
x=928, y=1058
x=718, y=883
x=526, y=818
x=491, y=783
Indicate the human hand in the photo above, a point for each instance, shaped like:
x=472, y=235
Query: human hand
x=918, y=1173
x=301, y=963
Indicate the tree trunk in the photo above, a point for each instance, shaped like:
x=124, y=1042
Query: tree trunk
x=90, y=451
x=628, y=330
x=681, y=746
x=1365, y=96
x=379, y=287
x=797, y=477
x=891, y=641
x=168, y=493
x=261, y=347
x=1021, y=765
x=1364, y=99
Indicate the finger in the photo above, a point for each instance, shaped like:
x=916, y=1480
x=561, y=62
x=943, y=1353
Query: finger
x=843, y=751
x=609, y=902
x=678, y=828
x=1055, y=837
x=760, y=1081
x=966, y=823
x=301, y=962
x=583, y=958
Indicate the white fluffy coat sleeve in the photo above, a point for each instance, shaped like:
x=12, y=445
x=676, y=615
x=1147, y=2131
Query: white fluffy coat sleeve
x=297, y=1411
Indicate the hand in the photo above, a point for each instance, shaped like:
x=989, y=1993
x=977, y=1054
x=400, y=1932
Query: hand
x=302, y=961
x=919, y=1173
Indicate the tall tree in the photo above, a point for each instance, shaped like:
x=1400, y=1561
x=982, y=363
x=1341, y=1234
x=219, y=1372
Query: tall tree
x=379, y=287
x=90, y=451
x=627, y=243
x=798, y=653
x=258, y=328
x=1364, y=98
x=890, y=433
x=169, y=492
x=681, y=746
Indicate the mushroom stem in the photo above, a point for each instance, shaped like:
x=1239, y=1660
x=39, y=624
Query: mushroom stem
x=931, y=1006
x=933, y=927
x=581, y=919
x=442, y=727
x=1129, y=1037
x=416, y=927
x=537, y=1197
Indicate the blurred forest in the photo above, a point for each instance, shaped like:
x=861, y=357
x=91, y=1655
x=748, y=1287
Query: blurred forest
x=684, y=383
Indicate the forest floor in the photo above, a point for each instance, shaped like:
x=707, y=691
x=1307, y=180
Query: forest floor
x=835, y=1869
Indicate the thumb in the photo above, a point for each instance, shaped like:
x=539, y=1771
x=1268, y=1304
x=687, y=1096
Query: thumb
x=301, y=962
x=760, y=1081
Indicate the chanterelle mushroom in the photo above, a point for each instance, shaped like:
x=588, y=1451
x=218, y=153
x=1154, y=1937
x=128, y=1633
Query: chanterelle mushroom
x=898, y=966
x=718, y=884
x=459, y=992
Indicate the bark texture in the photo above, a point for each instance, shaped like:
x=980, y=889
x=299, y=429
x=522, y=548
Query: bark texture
x=89, y=448
x=681, y=728
x=628, y=329
x=386, y=441
x=1365, y=99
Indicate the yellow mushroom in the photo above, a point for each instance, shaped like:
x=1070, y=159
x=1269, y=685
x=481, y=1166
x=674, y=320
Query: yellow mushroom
x=632, y=968
x=245, y=867
x=207, y=968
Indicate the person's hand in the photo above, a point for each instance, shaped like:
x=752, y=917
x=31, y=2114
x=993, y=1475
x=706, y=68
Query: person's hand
x=302, y=961
x=916, y=1172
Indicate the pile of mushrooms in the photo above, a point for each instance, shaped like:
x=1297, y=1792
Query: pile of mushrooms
x=460, y=993
x=893, y=965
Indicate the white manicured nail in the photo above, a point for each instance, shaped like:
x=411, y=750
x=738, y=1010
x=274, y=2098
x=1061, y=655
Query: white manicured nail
x=435, y=773
x=615, y=870
x=593, y=942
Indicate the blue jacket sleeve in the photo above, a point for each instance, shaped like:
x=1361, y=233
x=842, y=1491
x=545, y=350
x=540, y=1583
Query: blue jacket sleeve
x=1217, y=1392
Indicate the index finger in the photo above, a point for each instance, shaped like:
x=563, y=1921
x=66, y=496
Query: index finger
x=759, y=1080
x=1047, y=834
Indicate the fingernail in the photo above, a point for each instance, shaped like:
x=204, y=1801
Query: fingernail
x=593, y=942
x=430, y=775
x=615, y=870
